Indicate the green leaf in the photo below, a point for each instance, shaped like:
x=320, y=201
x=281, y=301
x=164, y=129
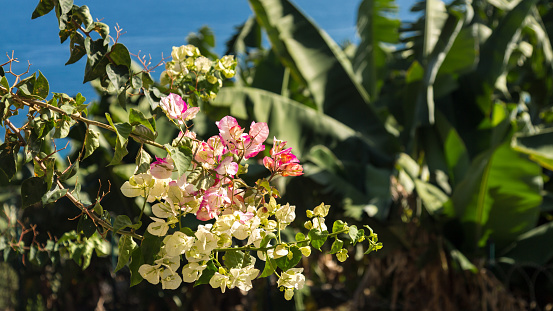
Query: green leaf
x=86, y=226
x=532, y=247
x=53, y=196
x=147, y=80
x=126, y=248
x=143, y=160
x=92, y=142
x=96, y=62
x=338, y=225
x=317, y=237
x=435, y=50
x=463, y=55
x=120, y=56
x=83, y=14
x=69, y=172
x=63, y=126
x=266, y=239
x=538, y=146
x=43, y=8
x=182, y=157
x=285, y=262
x=353, y=233
x=373, y=247
x=98, y=209
x=247, y=35
x=80, y=99
x=435, y=17
x=7, y=161
x=118, y=76
x=432, y=197
x=122, y=98
x=187, y=231
x=150, y=247
x=123, y=130
x=270, y=266
x=320, y=64
x=25, y=87
x=32, y=190
x=102, y=29
x=302, y=126
x=499, y=197
x=324, y=158
x=65, y=5
x=234, y=259
x=142, y=131
x=137, y=260
x=495, y=52
x=208, y=272
x=4, y=82
x=375, y=28
x=360, y=235
x=153, y=95
x=460, y=259
x=123, y=221
x=33, y=251
x=336, y=246
x=454, y=149
x=41, y=87
x=137, y=117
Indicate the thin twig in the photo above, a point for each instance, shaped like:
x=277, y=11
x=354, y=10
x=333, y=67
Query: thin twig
x=78, y=117
x=74, y=200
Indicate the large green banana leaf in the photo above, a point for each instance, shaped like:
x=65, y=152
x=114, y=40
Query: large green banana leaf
x=301, y=126
x=317, y=61
x=538, y=146
x=375, y=28
x=499, y=197
x=425, y=112
x=533, y=246
x=497, y=49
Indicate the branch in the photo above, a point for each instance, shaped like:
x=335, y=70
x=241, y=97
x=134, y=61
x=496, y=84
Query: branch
x=74, y=200
x=33, y=103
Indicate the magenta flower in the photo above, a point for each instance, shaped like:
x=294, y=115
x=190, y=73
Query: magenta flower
x=244, y=217
x=162, y=168
x=175, y=108
x=213, y=200
x=240, y=143
x=227, y=167
x=282, y=161
x=209, y=152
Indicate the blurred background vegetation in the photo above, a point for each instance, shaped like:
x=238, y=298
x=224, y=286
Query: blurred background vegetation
x=437, y=133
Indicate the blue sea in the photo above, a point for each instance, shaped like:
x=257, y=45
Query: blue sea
x=150, y=28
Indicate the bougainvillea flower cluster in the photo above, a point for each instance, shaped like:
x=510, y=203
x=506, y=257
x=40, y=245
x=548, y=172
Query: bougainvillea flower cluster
x=240, y=219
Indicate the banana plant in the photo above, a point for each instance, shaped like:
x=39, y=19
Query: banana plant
x=456, y=106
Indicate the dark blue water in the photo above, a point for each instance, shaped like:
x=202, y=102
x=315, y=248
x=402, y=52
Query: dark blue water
x=152, y=27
